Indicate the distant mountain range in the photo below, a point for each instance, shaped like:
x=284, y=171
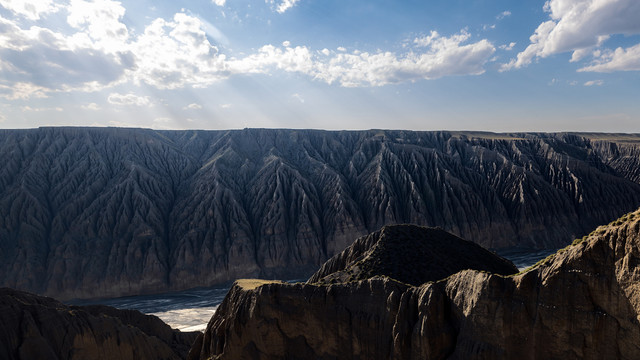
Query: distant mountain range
x=95, y=212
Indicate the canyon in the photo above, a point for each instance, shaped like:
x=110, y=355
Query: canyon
x=105, y=212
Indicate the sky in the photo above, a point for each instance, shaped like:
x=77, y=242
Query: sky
x=501, y=65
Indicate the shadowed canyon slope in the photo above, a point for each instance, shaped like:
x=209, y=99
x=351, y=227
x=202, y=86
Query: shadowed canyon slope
x=88, y=212
x=580, y=303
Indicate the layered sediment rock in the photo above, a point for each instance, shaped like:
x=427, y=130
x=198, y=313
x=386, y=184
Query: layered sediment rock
x=88, y=212
x=35, y=327
x=581, y=303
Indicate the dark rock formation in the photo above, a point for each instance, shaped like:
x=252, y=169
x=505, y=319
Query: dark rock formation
x=35, y=327
x=88, y=212
x=580, y=303
x=410, y=254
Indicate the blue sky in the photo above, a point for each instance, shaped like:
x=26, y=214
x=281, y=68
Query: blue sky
x=561, y=65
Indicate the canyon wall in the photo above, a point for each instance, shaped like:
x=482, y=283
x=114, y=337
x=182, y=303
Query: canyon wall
x=95, y=212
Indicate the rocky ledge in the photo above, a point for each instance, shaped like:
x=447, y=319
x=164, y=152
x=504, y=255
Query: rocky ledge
x=36, y=327
x=582, y=302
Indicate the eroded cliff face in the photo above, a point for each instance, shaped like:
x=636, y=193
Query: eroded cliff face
x=35, y=327
x=110, y=212
x=581, y=303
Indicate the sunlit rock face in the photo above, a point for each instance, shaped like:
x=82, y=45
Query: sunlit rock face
x=581, y=303
x=107, y=212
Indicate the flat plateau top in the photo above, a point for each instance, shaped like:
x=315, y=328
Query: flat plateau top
x=250, y=284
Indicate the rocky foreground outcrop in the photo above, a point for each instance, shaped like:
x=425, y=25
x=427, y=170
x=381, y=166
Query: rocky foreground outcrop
x=35, y=327
x=90, y=212
x=581, y=303
x=410, y=254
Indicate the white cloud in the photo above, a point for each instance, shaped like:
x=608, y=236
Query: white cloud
x=21, y=91
x=193, y=106
x=30, y=109
x=284, y=5
x=441, y=56
x=579, y=54
x=219, y=2
x=425, y=41
x=36, y=60
x=579, y=26
x=225, y=106
x=594, y=83
x=437, y=57
x=298, y=59
x=128, y=100
x=30, y=9
x=102, y=52
x=503, y=14
x=100, y=21
x=175, y=54
x=619, y=60
x=91, y=106
x=507, y=47
x=298, y=97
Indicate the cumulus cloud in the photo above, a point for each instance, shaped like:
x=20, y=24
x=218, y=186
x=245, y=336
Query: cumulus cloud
x=579, y=26
x=594, y=83
x=128, y=100
x=283, y=5
x=290, y=59
x=101, y=52
x=219, y=2
x=30, y=9
x=508, y=47
x=193, y=106
x=37, y=60
x=503, y=14
x=434, y=56
x=44, y=109
x=91, y=106
x=99, y=20
x=175, y=54
x=21, y=91
x=619, y=60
